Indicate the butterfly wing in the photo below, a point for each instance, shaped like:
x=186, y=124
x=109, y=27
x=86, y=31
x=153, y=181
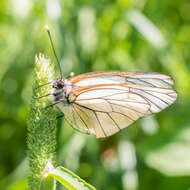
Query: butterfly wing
x=151, y=79
x=111, y=109
x=106, y=102
x=76, y=118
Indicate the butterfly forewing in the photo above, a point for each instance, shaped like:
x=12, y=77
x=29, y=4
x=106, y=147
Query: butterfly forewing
x=77, y=118
x=106, y=102
x=117, y=77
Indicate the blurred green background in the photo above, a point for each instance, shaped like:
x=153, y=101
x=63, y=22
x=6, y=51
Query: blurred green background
x=140, y=35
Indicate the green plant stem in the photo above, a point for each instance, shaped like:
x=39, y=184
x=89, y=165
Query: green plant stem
x=41, y=138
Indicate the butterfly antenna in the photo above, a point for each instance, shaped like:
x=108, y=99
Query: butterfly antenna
x=51, y=41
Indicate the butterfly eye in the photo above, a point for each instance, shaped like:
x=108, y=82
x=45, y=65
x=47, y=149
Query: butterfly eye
x=59, y=85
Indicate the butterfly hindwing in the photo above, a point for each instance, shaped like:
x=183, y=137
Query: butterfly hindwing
x=110, y=113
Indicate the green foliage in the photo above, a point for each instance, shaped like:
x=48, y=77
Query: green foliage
x=165, y=154
x=90, y=36
x=48, y=183
x=70, y=180
x=41, y=138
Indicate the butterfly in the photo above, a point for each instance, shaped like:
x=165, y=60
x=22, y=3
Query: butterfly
x=103, y=103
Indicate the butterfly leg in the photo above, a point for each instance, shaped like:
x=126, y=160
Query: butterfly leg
x=60, y=116
x=50, y=105
x=53, y=104
x=41, y=85
x=42, y=96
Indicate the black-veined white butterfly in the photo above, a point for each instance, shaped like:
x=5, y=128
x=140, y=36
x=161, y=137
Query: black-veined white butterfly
x=103, y=103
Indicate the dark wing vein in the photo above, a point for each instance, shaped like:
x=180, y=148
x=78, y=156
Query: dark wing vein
x=148, y=100
x=124, y=115
x=81, y=110
x=126, y=107
x=109, y=98
x=155, y=79
x=133, y=82
x=100, y=124
x=146, y=82
x=125, y=100
x=92, y=88
x=158, y=98
x=155, y=91
x=74, y=119
x=89, y=108
x=124, y=91
x=121, y=113
x=81, y=118
x=114, y=121
x=153, y=103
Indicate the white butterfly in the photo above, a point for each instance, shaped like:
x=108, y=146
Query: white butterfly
x=103, y=103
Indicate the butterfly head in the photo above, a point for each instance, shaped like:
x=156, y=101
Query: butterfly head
x=61, y=90
x=59, y=84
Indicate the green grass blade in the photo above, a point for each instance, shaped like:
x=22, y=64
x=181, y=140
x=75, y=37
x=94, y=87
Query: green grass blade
x=70, y=180
x=48, y=183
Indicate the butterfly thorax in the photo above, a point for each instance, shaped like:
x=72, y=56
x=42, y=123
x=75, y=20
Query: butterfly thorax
x=61, y=89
